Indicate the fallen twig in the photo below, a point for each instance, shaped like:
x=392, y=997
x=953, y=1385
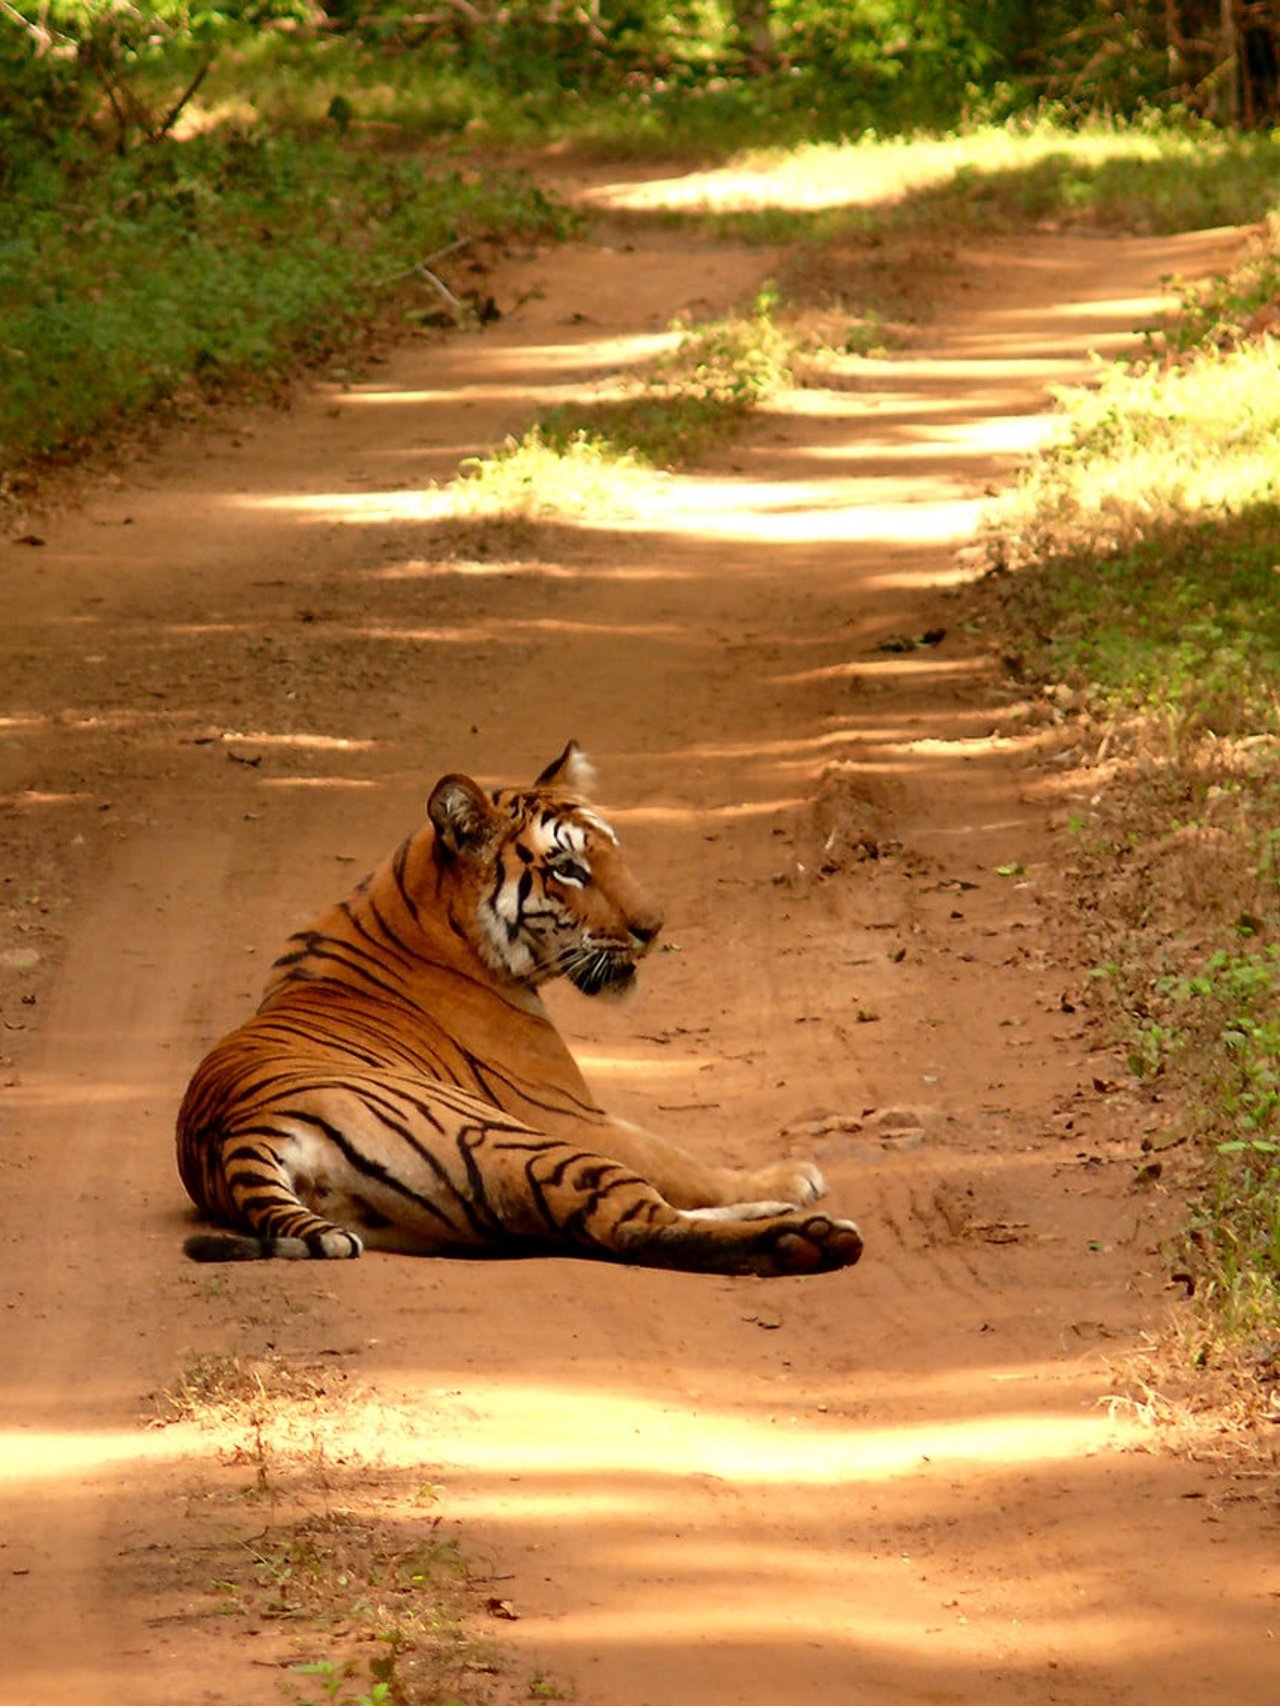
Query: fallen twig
x=421, y=268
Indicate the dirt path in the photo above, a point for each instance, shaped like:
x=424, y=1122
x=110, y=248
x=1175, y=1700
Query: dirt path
x=230, y=680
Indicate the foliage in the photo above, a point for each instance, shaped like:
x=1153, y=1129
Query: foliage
x=117, y=286
x=856, y=62
x=1224, y=1036
x=695, y=71
x=113, y=67
x=1210, y=58
x=1155, y=573
x=920, y=65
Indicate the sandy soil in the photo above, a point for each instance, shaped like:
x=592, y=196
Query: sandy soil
x=232, y=673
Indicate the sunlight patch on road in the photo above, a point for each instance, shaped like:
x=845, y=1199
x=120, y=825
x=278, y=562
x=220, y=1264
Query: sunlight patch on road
x=515, y=1428
x=920, y=664
x=931, y=746
x=368, y=508
x=43, y=797
x=850, y=509
x=520, y=628
x=320, y=743
x=36, y=1091
x=849, y=1616
x=52, y=1455
x=805, y=179
x=699, y=814
x=502, y=568
x=1132, y=310
x=537, y=371
x=316, y=782
x=807, y=512
x=867, y=441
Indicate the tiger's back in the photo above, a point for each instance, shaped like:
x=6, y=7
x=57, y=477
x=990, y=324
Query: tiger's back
x=402, y=1086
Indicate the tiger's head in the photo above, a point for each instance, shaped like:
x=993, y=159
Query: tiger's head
x=537, y=879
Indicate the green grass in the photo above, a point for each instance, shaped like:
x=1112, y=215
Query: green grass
x=1220, y=1042
x=580, y=456
x=122, y=282
x=520, y=94
x=1156, y=575
x=690, y=399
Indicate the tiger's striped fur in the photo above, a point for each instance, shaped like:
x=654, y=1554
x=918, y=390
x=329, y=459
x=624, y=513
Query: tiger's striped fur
x=402, y=1087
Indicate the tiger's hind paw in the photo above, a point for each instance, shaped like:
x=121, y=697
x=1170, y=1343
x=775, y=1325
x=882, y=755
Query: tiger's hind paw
x=335, y=1245
x=814, y=1245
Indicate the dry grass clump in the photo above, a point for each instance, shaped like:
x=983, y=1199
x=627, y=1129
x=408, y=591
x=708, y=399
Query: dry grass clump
x=332, y=1548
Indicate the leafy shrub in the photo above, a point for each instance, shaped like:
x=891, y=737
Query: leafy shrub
x=208, y=258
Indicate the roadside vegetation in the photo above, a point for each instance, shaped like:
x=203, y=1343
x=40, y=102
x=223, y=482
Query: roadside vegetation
x=1136, y=580
x=321, y=1535
x=168, y=274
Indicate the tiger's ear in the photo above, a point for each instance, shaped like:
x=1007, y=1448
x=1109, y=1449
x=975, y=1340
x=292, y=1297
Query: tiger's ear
x=462, y=815
x=571, y=773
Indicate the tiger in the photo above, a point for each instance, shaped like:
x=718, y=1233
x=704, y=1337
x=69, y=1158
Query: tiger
x=403, y=1088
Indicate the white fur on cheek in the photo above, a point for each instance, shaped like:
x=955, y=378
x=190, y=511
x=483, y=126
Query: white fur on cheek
x=505, y=950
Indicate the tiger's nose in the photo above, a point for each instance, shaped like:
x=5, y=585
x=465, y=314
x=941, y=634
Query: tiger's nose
x=643, y=930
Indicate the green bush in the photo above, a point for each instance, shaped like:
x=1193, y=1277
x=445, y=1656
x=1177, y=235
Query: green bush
x=210, y=258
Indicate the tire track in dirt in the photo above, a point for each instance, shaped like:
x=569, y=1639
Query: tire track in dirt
x=897, y=1482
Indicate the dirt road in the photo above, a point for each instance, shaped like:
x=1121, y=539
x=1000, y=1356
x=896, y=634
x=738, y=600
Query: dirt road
x=231, y=676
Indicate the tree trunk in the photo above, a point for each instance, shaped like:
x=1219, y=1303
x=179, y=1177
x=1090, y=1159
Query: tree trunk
x=755, y=38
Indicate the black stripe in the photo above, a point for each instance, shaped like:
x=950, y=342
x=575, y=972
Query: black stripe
x=399, y=865
x=375, y=1169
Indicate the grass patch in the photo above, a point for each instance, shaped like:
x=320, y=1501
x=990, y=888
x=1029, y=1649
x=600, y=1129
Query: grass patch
x=1136, y=572
x=321, y=1535
x=594, y=455
x=528, y=479
x=1155, y=567
x=1180, y=624
x=209, y=260
x=690, y=399
x=1207, y=1034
